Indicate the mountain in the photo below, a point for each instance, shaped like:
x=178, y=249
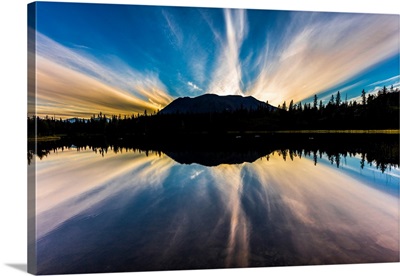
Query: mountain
x=214, y=103
x=215, y=158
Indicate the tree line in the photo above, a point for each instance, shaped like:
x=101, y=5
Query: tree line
x=380, y=111
x=379, y=150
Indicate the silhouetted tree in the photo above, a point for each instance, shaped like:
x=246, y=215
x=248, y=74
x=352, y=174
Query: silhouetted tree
x=300, y=107
x=284, y=105
x=332, y=100
x=315, y=101
x=363, y=97
x=291, y=106
x=370, y=99
x=338, y=100
x=384, y=90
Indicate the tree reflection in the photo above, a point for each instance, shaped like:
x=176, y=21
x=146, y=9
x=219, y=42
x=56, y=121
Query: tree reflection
x=381, y=151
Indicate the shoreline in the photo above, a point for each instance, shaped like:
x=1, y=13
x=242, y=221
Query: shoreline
x=236, y=132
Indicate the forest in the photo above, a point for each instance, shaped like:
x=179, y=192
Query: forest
x=373, y=112
x=378, y=150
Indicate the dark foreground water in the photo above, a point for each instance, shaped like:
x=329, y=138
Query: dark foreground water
x=111, y=208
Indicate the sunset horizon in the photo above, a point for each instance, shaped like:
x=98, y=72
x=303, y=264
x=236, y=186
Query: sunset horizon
x=124, y=59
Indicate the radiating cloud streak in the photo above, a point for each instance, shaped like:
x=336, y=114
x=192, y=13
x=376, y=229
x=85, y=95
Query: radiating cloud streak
x=395, y=79
x=173, y=31
x=64, y=93
x=272, y=56
x=313, y=53
x=227, y=77
x=324, y=51
x=72, y=84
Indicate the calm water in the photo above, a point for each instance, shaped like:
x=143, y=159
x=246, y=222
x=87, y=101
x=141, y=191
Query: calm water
x=121, y=209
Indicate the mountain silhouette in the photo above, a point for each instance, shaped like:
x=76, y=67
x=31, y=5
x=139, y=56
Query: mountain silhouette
x=215, y=158
x=208, y=103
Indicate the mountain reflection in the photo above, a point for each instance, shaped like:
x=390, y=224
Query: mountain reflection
x=112, y=208
x=381, y=151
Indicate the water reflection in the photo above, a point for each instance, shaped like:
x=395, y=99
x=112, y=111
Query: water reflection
x=104, y=209
x=381, y=151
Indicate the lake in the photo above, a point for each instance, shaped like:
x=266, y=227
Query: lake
x=115, y=207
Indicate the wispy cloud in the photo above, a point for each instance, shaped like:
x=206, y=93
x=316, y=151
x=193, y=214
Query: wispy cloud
x=71, y=84
x=173, y=31
x=65, y=92
x=376, y=89
x=194, y=87
x=325, y=52
x=377, y=86
x=227, y=77
x=395, y=79
x=315, y=53
x=303, y=54
x=80, y=46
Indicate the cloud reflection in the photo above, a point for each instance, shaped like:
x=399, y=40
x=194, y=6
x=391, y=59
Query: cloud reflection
x=329, y=201
x=238, y=241
x=71, y=182
x=272, y=212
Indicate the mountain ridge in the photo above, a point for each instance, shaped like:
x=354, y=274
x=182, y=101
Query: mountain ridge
x=212, y=103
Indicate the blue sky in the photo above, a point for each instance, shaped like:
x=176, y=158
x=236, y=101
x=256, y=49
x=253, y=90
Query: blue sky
x=123, y=59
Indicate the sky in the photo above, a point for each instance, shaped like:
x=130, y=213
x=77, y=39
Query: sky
x=124, y=59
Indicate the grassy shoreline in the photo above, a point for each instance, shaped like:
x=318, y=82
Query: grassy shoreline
x=322, y=131
x=44, y=138
x=304, y=131
x=350, y=131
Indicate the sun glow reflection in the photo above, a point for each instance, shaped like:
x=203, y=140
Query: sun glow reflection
x=71, y=182
x=318, y=214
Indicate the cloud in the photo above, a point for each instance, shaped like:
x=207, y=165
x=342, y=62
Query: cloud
x=227, y=76
x=198, y=64
x=173, y=31
x=81, y=46
x=388, y=81
x=193, y=56
x=311, y=53
x=323, y=50
x=378, y=86
x=70, y=83
x=194, y=87
x=65, y=92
